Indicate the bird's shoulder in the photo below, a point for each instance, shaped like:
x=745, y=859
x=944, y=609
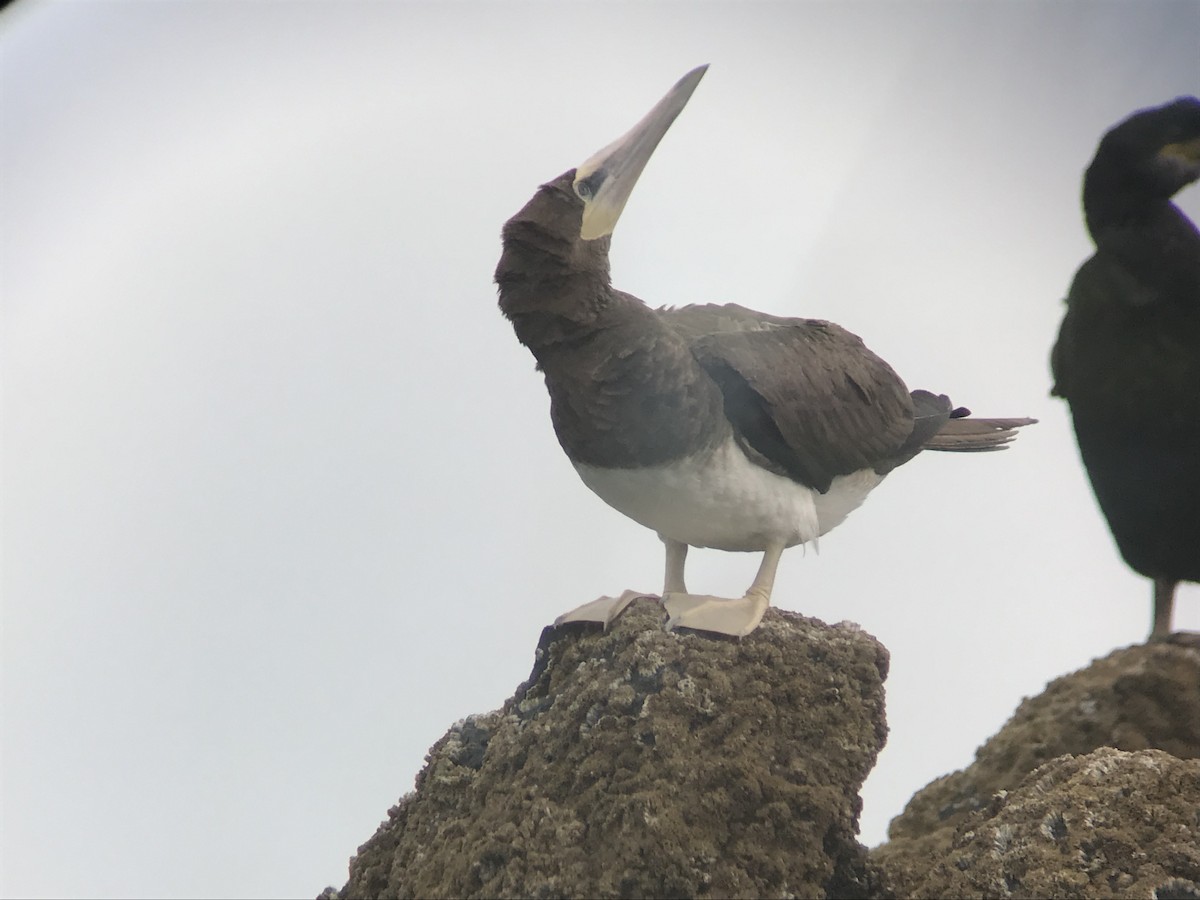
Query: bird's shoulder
x=810, y=360
x=700, y=320
x=805, y=394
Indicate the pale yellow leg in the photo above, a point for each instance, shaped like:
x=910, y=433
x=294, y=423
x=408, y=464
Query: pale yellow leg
x=723, y=616
x=676, y=557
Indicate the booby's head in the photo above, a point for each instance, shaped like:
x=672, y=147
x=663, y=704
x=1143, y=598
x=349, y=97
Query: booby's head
x=560, y=237
x=1155, y=152
x=604, y=182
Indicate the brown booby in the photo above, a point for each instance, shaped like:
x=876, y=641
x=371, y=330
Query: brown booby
x=715, y=426
x=1127, y=359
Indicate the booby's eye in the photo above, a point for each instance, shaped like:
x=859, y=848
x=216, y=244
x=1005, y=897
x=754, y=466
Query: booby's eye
x=585, y=188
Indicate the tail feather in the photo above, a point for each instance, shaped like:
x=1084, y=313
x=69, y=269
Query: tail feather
x=966, y=435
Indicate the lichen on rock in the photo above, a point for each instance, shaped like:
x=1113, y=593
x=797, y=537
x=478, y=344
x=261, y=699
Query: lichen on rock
x=642, y=763
x=1106, y=824
x=1139, y=698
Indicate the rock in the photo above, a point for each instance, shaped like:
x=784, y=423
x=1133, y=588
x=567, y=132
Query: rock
x=1106, y=824
x=641, y=763
x=1141, y=697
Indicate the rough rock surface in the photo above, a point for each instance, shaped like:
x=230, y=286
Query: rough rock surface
x=1108, y=824
x=1138, y=698
x=639, y=763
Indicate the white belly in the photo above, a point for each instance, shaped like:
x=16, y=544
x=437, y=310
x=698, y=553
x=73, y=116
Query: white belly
x=720, y=499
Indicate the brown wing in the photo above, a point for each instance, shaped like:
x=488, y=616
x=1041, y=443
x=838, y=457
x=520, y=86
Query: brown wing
x=805, y=394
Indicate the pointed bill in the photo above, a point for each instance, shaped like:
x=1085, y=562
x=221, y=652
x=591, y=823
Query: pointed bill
x=606, y=180
x=1184, y=155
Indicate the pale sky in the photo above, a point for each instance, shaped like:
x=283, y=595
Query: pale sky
x=281, y=496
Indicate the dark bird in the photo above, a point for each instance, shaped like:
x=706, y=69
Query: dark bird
x=715, y=426
x=1127, y=359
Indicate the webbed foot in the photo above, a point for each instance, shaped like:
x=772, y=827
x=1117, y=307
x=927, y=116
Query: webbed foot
x=1180, y=638
x=702, y=612
x=603, y=609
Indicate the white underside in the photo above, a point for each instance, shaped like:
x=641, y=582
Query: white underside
x=720, y=499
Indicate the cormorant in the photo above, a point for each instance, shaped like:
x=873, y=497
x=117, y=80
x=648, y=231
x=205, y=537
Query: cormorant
x=1127, y=359
x=715, y=426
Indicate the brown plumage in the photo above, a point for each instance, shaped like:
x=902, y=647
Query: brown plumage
x=714, y=425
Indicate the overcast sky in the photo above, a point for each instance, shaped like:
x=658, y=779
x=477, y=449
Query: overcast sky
x=281, y=496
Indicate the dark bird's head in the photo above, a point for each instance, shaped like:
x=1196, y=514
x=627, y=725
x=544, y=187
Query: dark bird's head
x=1152, y=154
x=562, y=234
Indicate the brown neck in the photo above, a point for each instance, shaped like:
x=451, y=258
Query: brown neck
x=625, y=390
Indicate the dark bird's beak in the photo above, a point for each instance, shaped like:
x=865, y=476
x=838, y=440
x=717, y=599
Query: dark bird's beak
x=1183, y=155
x=606, y=180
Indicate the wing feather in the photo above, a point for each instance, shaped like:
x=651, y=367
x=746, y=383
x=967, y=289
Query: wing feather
x=804, y=393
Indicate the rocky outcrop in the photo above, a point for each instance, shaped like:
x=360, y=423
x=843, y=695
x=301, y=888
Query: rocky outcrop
x=640, y=763
x=993, y=829
x=1107, y=824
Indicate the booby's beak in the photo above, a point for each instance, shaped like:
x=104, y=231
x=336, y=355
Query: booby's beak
x=606, y=180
